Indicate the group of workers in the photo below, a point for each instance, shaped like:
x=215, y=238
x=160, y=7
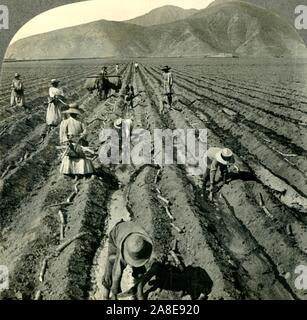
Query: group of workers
x=75, y=159
x=129, y=244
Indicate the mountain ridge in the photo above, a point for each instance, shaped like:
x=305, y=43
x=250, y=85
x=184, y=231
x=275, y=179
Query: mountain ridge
x=235, y=28
x=162, y=15
x=285, y=9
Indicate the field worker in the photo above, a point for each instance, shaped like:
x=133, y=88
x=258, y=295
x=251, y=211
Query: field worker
x=104, y=71
x=168, y=84
x=118, y=81
x=129, y=245
x=117, y=69
x=73, y=135
x=129, y=96
x=124, y=129
x=118, y=125
x=218, y=159
x=17, y=95
x=56, y=97
x=136, y=67
x=103, y=85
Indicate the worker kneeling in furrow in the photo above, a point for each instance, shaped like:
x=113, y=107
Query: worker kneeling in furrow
x=219, y=161
x=75, y=161
x=129, y=245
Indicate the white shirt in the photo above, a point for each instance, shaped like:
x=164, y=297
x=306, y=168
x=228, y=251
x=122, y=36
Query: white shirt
x=55, y=92
x=71, y=127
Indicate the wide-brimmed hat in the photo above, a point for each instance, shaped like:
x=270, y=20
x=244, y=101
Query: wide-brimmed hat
x=54, y=81
x=118, y=122
x=74, y=109
x=166, y=68
x=17, y=75
x=225, y=156
x=137, y=250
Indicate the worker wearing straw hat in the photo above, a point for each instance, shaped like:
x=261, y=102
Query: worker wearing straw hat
x=17, y=95
x=56, y=97
x=129, y=245
x=168, y=85
x=218, y=160
x=73, y=135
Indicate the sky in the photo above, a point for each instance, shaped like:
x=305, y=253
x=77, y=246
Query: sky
x=88, y=11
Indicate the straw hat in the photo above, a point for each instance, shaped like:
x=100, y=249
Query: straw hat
x=166, y=68
x=74, y=109
x=225, y=156
x=118, y=122
x=137, y=250
x=17, y=75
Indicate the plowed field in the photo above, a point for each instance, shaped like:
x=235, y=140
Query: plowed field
x=245, y=244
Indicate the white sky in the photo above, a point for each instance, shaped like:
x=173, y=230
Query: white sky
x=88, y=11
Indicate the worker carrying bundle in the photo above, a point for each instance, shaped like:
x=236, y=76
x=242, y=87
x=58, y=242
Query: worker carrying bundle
x=129, y=245
x=96, y=82
x=102, y=83
x=91, y=83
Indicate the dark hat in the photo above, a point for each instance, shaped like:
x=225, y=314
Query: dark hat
x=137, y=250
x=74, y=109
x=166, y=68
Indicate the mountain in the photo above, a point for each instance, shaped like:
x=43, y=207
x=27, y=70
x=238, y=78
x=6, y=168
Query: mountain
x=247, y=30
x=162, y=15
x=285, y=8
x=96, y=39
x=232, y=28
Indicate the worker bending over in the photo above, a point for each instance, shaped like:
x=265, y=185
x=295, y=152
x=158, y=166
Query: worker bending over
x=129, y=245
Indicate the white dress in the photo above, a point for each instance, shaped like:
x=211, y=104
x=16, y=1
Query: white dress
x=54, y=115
x=74, y=165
